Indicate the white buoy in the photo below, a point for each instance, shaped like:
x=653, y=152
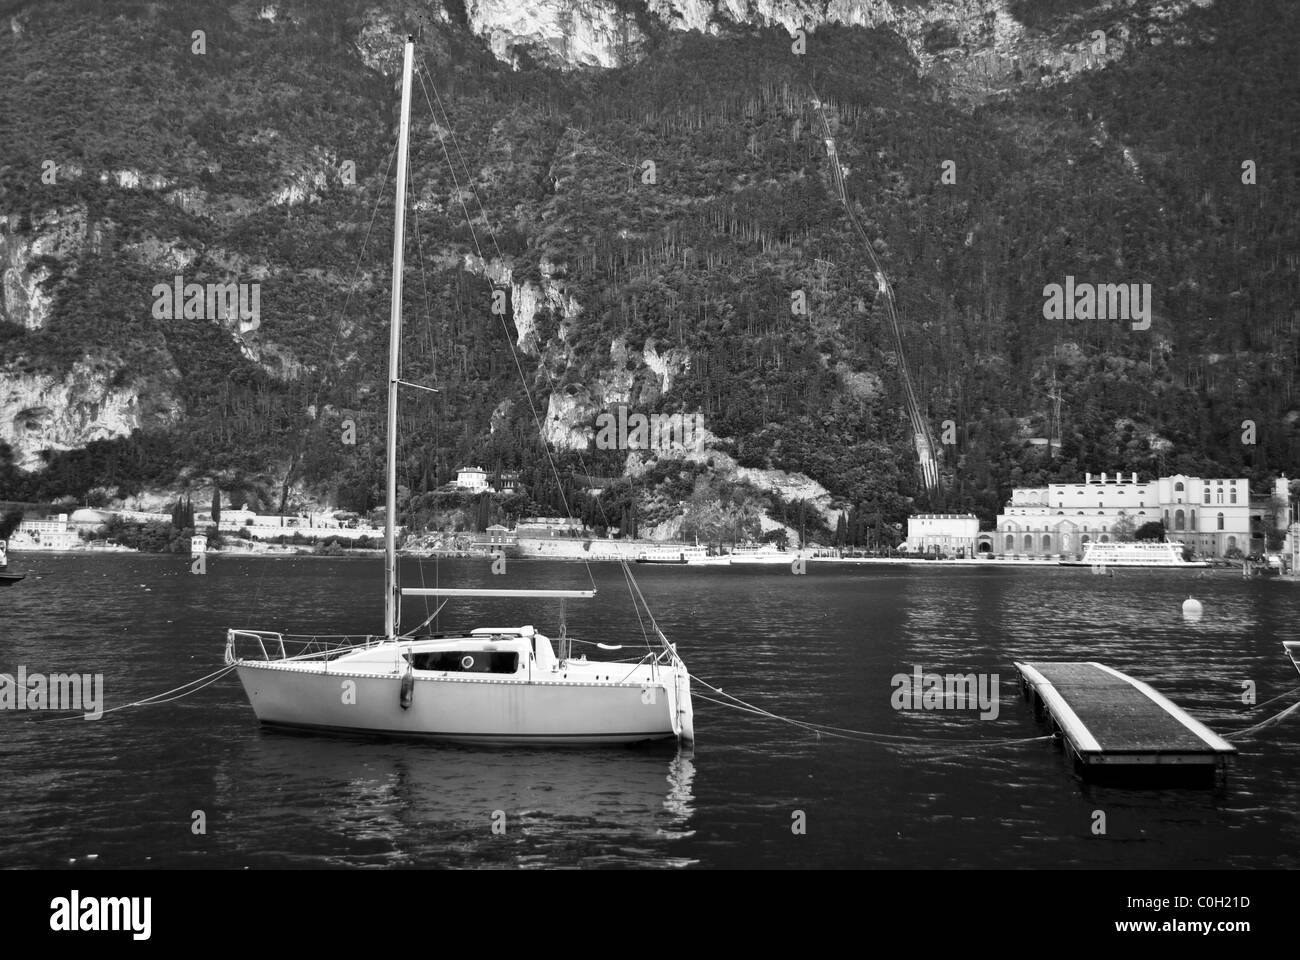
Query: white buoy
x=1192, y=609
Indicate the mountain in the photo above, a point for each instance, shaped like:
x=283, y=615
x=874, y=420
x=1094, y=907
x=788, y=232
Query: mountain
x=648, y=184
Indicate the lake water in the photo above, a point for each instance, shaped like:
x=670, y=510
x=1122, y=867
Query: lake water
x=123, y=790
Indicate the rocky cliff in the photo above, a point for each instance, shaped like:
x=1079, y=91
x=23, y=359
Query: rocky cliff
x=267, y=160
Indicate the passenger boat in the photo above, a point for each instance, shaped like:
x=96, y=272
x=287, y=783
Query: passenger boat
x=1135, y=554
x=490, y=685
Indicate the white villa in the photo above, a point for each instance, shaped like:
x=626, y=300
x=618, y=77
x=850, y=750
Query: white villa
x=472, y=479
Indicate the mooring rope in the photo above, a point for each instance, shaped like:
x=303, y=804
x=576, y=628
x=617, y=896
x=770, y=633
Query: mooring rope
x=895, y=740
x=164, y=697
x=1265, y=723
x=1260, y=706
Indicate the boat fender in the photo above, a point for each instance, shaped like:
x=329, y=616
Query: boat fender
x=407, y=696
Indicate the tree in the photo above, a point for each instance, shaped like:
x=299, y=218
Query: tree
x=1151, y=530
x=216, y=505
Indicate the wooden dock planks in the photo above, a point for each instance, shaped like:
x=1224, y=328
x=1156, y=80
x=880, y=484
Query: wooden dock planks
x=1110, y=720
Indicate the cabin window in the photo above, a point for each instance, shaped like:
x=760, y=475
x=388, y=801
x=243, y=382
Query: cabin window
x=467, y=661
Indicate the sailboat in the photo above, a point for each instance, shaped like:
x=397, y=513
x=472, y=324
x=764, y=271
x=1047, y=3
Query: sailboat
x=490, y=685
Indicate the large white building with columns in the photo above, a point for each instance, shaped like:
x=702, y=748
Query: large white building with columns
x=1209, y=516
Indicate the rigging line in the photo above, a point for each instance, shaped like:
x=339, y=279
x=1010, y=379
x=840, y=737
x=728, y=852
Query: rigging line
x=510, y=341
x=492, y=237
x=428, y=316
x=514, y=353
x=627, y=576
x=430, y=618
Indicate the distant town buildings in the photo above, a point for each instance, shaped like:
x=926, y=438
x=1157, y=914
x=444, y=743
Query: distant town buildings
x=549, y=527
x=51, y=533
x=1211, y=517
x=64, y=533
x=949, y=534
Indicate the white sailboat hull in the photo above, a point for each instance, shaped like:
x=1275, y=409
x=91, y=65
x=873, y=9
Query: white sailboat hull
x=470, y=710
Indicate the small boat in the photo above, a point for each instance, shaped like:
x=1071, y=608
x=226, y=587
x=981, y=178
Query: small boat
x=489, y=685
x=679, y=559
x=1166, y=554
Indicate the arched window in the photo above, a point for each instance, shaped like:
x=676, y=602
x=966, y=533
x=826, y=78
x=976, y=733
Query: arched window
x=1011, y=543
x=1178, y=487
x=1207, y=494
x=1029, y=542
x=1219, y=495
x=1220, y=521
x=1232, y=497
x=1179, y=519
x=1105, y=538
x=1047, y=543
x=1232, y=543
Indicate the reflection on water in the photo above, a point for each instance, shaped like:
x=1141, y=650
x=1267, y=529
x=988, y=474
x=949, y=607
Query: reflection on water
x=388, y=803
x=125, y=791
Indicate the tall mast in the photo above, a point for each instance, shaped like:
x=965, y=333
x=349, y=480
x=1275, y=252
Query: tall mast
x=392, y=596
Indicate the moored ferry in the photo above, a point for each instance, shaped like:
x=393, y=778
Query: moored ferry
x=1135, y=554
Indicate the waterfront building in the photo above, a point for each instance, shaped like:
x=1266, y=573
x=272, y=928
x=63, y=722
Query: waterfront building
x=550, y=527
x=1210, y=516
x=951, y=534
x=51, y=533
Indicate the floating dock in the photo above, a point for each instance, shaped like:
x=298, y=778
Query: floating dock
x=1116, y=727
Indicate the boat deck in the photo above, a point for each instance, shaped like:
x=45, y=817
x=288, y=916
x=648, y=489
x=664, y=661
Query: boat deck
x=1114, y=725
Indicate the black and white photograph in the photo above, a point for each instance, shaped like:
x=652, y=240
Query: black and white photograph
x=654, y=437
